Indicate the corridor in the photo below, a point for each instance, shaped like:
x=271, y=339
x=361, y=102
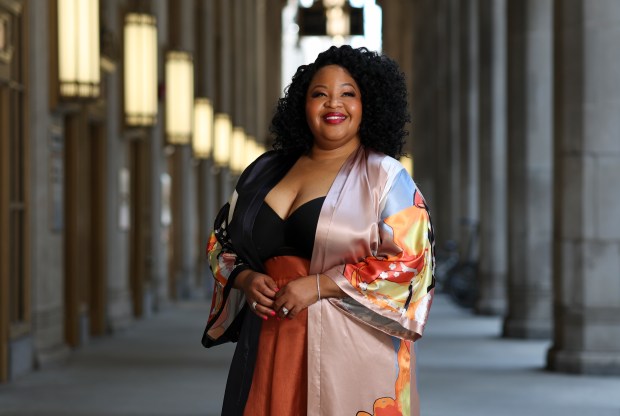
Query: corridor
x=158, y=368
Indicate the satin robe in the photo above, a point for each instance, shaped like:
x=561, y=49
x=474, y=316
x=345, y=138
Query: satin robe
x=375, y=240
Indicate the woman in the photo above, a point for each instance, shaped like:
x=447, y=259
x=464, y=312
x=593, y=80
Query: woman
x=323, y=259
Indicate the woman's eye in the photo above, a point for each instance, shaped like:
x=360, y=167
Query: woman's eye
x=317, y=94
x=348, y=94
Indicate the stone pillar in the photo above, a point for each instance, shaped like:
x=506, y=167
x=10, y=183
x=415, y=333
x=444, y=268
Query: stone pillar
x=223, y=103
x=263, y=108
x=454, y=146
x=272, y=27
x=119, y=300
x=586, y=264
x=181, y=36
x=530, y=168
x=469, y=124
x=159, y=224
x=46, y=242
x=492, y=269
x=250, y=70
x=442, y=204
x=421, y=17
x=205, y=87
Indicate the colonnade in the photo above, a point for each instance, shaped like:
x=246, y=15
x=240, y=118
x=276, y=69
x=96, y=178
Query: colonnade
x=515, y=129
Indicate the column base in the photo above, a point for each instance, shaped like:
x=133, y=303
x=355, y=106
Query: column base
x=526, y=329
x=20, y=356
x=120, y=309
x=491, y=306
x=584, y=362
x=51, y=357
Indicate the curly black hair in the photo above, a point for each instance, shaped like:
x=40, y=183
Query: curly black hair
x=384, y=101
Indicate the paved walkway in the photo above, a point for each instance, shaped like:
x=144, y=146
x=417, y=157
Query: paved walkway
x=158, y=368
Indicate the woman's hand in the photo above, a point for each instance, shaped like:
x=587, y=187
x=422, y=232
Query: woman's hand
x=260, y=291
x=296, y=296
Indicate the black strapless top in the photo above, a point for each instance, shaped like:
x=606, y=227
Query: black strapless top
x=294, y=236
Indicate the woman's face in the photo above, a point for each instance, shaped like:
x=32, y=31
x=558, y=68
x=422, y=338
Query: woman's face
x=333, y=107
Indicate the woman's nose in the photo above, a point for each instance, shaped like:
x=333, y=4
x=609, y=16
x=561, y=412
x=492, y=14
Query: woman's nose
x=333, y=102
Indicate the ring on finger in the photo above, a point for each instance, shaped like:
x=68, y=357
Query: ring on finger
x=285, y=311
x=254, y=305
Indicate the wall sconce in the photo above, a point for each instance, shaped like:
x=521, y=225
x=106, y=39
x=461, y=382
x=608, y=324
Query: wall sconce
x=140, y=69
x=179, y=97
x=78, y=48
x=237, y=151
x=249, y=151
x=407, y=162
x=203, y=128
x=223, y=133
x=253, y=150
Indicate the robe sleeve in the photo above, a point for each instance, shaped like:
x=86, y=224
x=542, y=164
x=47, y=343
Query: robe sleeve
x=393, y=290
x=224, y=318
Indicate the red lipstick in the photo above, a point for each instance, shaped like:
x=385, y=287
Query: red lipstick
x=334, y=118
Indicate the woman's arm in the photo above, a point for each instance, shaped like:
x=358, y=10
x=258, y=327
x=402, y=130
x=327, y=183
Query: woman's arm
x=303, y=292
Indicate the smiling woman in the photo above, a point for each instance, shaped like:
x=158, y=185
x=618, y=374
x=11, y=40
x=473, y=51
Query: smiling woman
x=323, y=259
x=334, y=108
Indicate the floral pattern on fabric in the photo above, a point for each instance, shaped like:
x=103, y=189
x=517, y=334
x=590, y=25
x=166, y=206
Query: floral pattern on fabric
x=225, y=303
x=396, y=284
x=399, y=406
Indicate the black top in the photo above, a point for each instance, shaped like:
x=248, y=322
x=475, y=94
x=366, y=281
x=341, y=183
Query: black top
x=293, y=236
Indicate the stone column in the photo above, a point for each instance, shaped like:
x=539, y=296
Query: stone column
x=46, y=242
x=492, y=269
x=454, y=145
x=469, y=124
x=223, y=102
x=272, y=26
x=181, y=36
x=160, y=227
x=205, y=87
x=119, y=300
x=421, y=17
x=442, y=204
x=530, y=168
x=586, y=264
x=250, y=70
x=263, y=108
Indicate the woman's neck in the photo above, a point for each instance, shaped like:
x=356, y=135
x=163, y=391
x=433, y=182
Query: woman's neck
x=321, y=154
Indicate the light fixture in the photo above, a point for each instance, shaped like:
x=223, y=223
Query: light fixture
x=179, y=97
x=407, y=162
x=249, y=151
x=140, y=69
x=237, y=151
x=338, y=22
x=78, y=48
x=333, y=3
x=203, y=128
x=223, y=132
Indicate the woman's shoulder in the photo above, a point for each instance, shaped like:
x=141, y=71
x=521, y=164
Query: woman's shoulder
x=389, y=166
x=263, y=165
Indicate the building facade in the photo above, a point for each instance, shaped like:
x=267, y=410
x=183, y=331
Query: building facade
x=103, y=221
x=514, y=137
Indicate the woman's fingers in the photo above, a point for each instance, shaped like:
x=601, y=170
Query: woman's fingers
x=288, y=311
x=264, y=312
x=268, y=290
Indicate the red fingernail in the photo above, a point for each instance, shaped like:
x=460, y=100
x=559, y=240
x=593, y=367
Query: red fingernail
x=264, y=318
x=277, y=289
x=272, y=313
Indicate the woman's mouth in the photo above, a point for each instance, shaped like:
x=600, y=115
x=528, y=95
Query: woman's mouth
x=334, y=118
